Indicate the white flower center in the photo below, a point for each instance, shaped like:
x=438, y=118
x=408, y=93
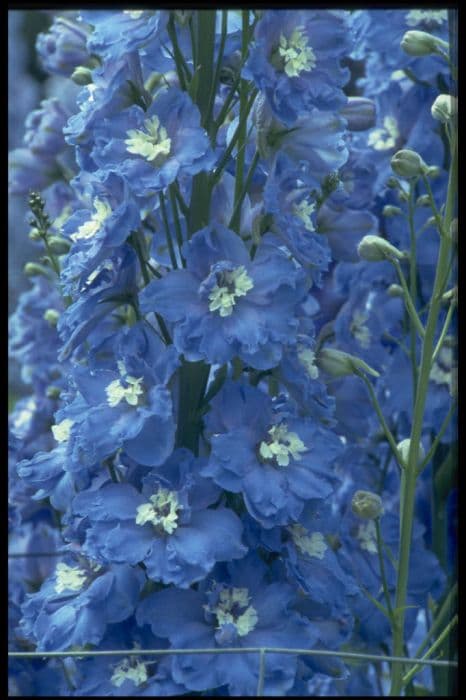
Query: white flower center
x=234, y=609
x=312, y=544
x=162, y=510
x=234, y=283
x=282, y=445
x=383, y=139
x=304, y=210
x=69, y=578
x=133, y=14
x=367, y=537
x=134, y=671
x=61, y=431
x=307, y=358
x=431, y=17
x=91, y=227
x=152, y=144
x=296, y=53
x=359, y=330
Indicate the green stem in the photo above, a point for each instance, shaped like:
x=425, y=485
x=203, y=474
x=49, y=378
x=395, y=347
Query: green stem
x=218, y=67
x=407, y=506
x=439, y=618
x=438, y=438
x=408, y=301
x=382, y=568
x=431, y=650
x=445, y=328
x=412, y=285
x=168, y=237
x=383, y=423
x=176, y=218
x=433, y=205
x=236, y=216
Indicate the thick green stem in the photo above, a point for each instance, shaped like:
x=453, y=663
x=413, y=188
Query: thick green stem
x=407, y=506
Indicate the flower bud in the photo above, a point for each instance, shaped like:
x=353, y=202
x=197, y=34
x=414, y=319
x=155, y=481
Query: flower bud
x=403, y=450
x=367, y=505
x=58, y=245
x=34, y=234
x=451, y=296
x=359, y=113
x=423, y=201
x=395, y=290
x=63, y=46
x=51, y=316
x=393, y=183
x=407, y=163
x=53, y=392
x=416, y=43
x=81, y=76
x=340, y=364
x=31, y=269
x=390, y=210
x=444, y=108
x=376, y=248
x=433, y=171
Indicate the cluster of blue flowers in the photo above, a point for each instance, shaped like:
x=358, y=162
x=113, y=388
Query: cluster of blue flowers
x=217, y=311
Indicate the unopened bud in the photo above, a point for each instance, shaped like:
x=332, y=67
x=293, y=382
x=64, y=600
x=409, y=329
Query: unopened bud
x=407, y=163
x=34, y=234
x=51, y=316
x=433, y=171
x=403, y=196
x=81, y=76
x=359, y=113
x=376, y=249
x=431, y=221
x=403, y=450
x=445, y=108
x=451, y=296
x=367, y=505
x=394, y=290
x=53, y=392
x=390, y=210
x=423, y=201
x=31, y=269
x=58, y=245
x=340, y=364
x=393, y=183
x=417, y=43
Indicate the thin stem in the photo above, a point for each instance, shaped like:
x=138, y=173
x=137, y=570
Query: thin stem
x=235, y=218
x=412, y=284
x=407, y=506
x=382, y=567
x=444, y=332
x=383, y=423
x=260, y=682
x=431, y=650
x=438, y=438
x=433, y=205
x=176, y=218
x=168, y=237
x=445, y=608
x=218, y=66
x=407, y=299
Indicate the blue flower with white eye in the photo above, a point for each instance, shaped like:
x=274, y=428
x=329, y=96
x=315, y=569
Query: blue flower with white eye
x=152, y=148
x=234, y=607
x=295, y=60
x=275, y=459
x=77, y=602
x=127, y=401
x=223, y=304
x=168, y=526
x=113, y=217
x=122, y=675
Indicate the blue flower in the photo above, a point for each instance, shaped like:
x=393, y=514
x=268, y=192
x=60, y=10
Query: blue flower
x=63, y=47
x=169, y=526
x=295, y=60
x=223, y=304
x=275, y=459
x=44, y=127
x=236, y=606
x=75, y=604
x=152, y=148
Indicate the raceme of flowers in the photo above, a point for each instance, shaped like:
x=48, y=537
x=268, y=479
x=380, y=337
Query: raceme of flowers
x=220, y=305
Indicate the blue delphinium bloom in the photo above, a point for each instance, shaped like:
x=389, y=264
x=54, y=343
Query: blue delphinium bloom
x=223, y=304
x=274, y=458
x=44, y=127
x=122, y=675
x=63, y=47
x=295, y=60
x=75, y=604
x=152, y=148
x=127, y=400
x=235, y=606
x=168, y=526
